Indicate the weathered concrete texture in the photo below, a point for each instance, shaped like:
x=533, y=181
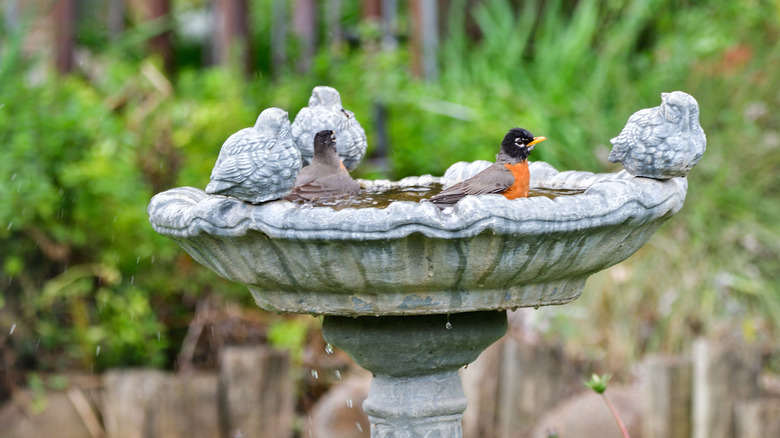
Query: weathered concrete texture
x=416, y=391
x=662, y=142
x=486, y=253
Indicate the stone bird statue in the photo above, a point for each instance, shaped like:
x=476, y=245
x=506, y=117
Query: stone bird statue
x=326, y=176
x=661, y=142
x=325, y=112
x=508, y=176
x=258, y=164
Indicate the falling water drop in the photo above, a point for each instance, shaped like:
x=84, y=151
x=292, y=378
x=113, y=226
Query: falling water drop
x=349, y=403
x=132, y=279
x=448, y=325
x=329, y=348
x=158, y=336
x=13, y=327
x=315, y=374
x=338, y=374
x=97, y=351
x=138, y=260
x=359, y=427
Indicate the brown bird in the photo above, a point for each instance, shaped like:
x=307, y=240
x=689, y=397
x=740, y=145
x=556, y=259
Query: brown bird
x=508, y=176
x=326, y=176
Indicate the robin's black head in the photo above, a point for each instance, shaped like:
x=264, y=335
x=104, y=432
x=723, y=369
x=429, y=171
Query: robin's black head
x=518, y=143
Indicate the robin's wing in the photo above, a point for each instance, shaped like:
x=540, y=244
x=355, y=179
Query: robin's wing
x=494, y=179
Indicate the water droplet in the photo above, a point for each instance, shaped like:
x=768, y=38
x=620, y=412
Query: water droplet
x=138, y=260
x=359, y=427
x=349, y=402
x=338, y=374
x=10, y=224
x=132, y=279
x=329, y=348
x=97, y=351
x=13, y=327
x=315, y=374
x=448, y=325
x=158, y=336
x=152, y=260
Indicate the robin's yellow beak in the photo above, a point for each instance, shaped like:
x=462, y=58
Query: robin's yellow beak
x=536, y=140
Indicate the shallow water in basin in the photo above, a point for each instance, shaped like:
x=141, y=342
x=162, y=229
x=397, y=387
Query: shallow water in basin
x=381, y=198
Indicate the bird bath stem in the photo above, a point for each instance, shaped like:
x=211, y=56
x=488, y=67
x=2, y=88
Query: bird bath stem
x=416, y=391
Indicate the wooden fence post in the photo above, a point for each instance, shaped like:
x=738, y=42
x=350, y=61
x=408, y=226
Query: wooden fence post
x=533, y=378
x=231, y=43
x=185, y=407
x=278, y=36
x=64, y=17
x=127, y=401
x=758, y=418
x=425, y=38
x=255, y=392
x=724, y=373
x=667, y=393
x=305, y=28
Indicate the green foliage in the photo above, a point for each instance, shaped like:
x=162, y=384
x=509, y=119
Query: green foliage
x=290, y=335
x=82, y=155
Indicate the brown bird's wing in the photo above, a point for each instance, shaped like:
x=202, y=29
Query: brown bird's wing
x=494, y=179
x=324, y=182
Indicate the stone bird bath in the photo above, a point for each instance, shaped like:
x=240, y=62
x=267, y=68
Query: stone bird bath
x=411, y=292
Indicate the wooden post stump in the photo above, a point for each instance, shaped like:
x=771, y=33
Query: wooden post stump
x=128, y=401
x=255, y=393
x=724, y=373
x=667, y=394
x=185, y=407
x=759, y=418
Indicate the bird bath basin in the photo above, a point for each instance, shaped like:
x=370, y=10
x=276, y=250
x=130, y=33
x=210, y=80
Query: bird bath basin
x=413, y=292
x=486, y=253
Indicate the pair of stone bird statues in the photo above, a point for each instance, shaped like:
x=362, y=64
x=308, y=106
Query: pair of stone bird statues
x=263, y=163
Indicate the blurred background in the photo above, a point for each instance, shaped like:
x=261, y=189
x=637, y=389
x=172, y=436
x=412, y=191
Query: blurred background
x=104, y=103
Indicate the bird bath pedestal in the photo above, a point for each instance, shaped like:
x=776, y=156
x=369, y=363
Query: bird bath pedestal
x=412, y=292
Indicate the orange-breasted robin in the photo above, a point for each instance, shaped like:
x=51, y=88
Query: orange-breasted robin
x=326, y=176
x=508, y=176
